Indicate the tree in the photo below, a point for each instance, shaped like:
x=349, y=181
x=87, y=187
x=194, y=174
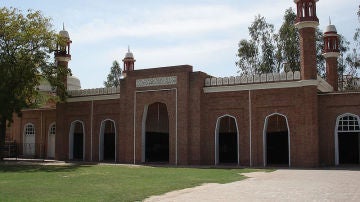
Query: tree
x=248, y=57
x=26, y=42
x=257, y=54
x=288, y=40
x=113, y=78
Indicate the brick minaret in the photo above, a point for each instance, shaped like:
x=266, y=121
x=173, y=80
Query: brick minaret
x=62, y=53
x=129, y=62
x=307, y=22
x=331, y=54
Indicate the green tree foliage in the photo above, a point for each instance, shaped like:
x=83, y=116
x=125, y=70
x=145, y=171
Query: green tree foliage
x=288, y=38
x=352, y=61
x=257, y=54
x=267, y=51
x=113, y=78
x=26, y=41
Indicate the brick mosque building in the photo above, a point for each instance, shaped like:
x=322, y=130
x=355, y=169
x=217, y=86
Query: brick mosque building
x=176, y=116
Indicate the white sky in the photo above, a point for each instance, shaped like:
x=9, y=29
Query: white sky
x=202, y=33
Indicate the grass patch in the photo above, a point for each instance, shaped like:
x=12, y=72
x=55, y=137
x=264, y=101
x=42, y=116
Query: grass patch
x=102, y=182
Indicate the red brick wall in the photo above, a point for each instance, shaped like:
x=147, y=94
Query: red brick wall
x=331, y=106
x=299, y=105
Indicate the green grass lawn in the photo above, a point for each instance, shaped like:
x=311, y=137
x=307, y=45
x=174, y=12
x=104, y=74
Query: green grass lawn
x=102, y=182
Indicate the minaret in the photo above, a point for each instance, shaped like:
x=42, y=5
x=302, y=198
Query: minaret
x=331, y=54
x=307, y=22
x=62, y=53
x=129, y=62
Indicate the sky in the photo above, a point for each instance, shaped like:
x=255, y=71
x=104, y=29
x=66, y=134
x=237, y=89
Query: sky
x=201, y=33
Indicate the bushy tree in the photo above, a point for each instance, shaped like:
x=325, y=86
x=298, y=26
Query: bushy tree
x=257, y=54
x=26, y=43
x=113, y=78
x=288, y=40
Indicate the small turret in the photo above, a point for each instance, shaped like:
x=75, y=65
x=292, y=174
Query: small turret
x=62, y=52
x=331, y=53
x=129, y=62
x=63, y=46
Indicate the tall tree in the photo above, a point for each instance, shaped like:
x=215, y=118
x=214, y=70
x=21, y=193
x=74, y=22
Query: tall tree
x=26, y=42
x=262, y=48
x=288, y=40
x=113, y=78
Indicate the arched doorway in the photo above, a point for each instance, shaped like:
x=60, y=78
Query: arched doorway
x=347, y=140
x=77, y=141
x=226, y=140
x=156, y=134
x=51, y=141
x=276, y=141
x=29, y=140
x=107, y=143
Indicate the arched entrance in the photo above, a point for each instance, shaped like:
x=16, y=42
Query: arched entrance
x=156, y=134
x=276, y=140
x=77, y=141
x=226, y=140
x=107, y=143
x=29, y=140
x=347, y=140
x=51, y=141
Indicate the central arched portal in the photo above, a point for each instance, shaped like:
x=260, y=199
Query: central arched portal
x=276, y=141
x=156, y=135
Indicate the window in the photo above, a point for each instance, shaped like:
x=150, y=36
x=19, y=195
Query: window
x=348, y=124
x=29, y=130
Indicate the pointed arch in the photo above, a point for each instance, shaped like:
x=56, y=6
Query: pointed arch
x=155, y=142
x=283, y=136
x=51, y=140
x=29, y=140
x=347, y=139
x=217, y=139
x=107, y=139
x=77, y=140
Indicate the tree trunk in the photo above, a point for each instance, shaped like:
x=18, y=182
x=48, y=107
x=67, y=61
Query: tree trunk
x=2, y=137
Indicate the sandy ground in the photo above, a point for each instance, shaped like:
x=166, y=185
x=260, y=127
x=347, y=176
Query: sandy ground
x=280, y=185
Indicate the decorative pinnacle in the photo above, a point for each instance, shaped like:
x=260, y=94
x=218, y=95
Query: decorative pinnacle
x=329, y=20
x=128, y=49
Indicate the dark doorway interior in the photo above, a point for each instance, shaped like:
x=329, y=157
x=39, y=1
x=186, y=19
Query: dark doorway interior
x=277, y=149
x=228, y=142
x=109, y=146
x=157, y=134
x=348, y=148
x=78, y=146
x=157, y=147
x=228, y=147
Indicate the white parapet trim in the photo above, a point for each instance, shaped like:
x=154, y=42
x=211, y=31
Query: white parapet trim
x=260, y=86
x=320, y=83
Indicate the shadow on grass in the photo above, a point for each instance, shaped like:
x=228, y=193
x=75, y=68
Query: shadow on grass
x=39, y=168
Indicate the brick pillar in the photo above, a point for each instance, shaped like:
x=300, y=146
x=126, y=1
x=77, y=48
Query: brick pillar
x=331, y=72
x=307, y=22
x=308, y=53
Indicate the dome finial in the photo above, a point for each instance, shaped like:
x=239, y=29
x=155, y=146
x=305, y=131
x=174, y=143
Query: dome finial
x=329, y=20
x=128, y=49
x=63, y=26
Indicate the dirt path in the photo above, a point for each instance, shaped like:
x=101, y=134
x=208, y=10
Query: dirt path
x=281, y=185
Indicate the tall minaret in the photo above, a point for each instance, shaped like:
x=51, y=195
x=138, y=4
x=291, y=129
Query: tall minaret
x=62, y=53
x=129, y=62
x=307, y=22
x=331, y=54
